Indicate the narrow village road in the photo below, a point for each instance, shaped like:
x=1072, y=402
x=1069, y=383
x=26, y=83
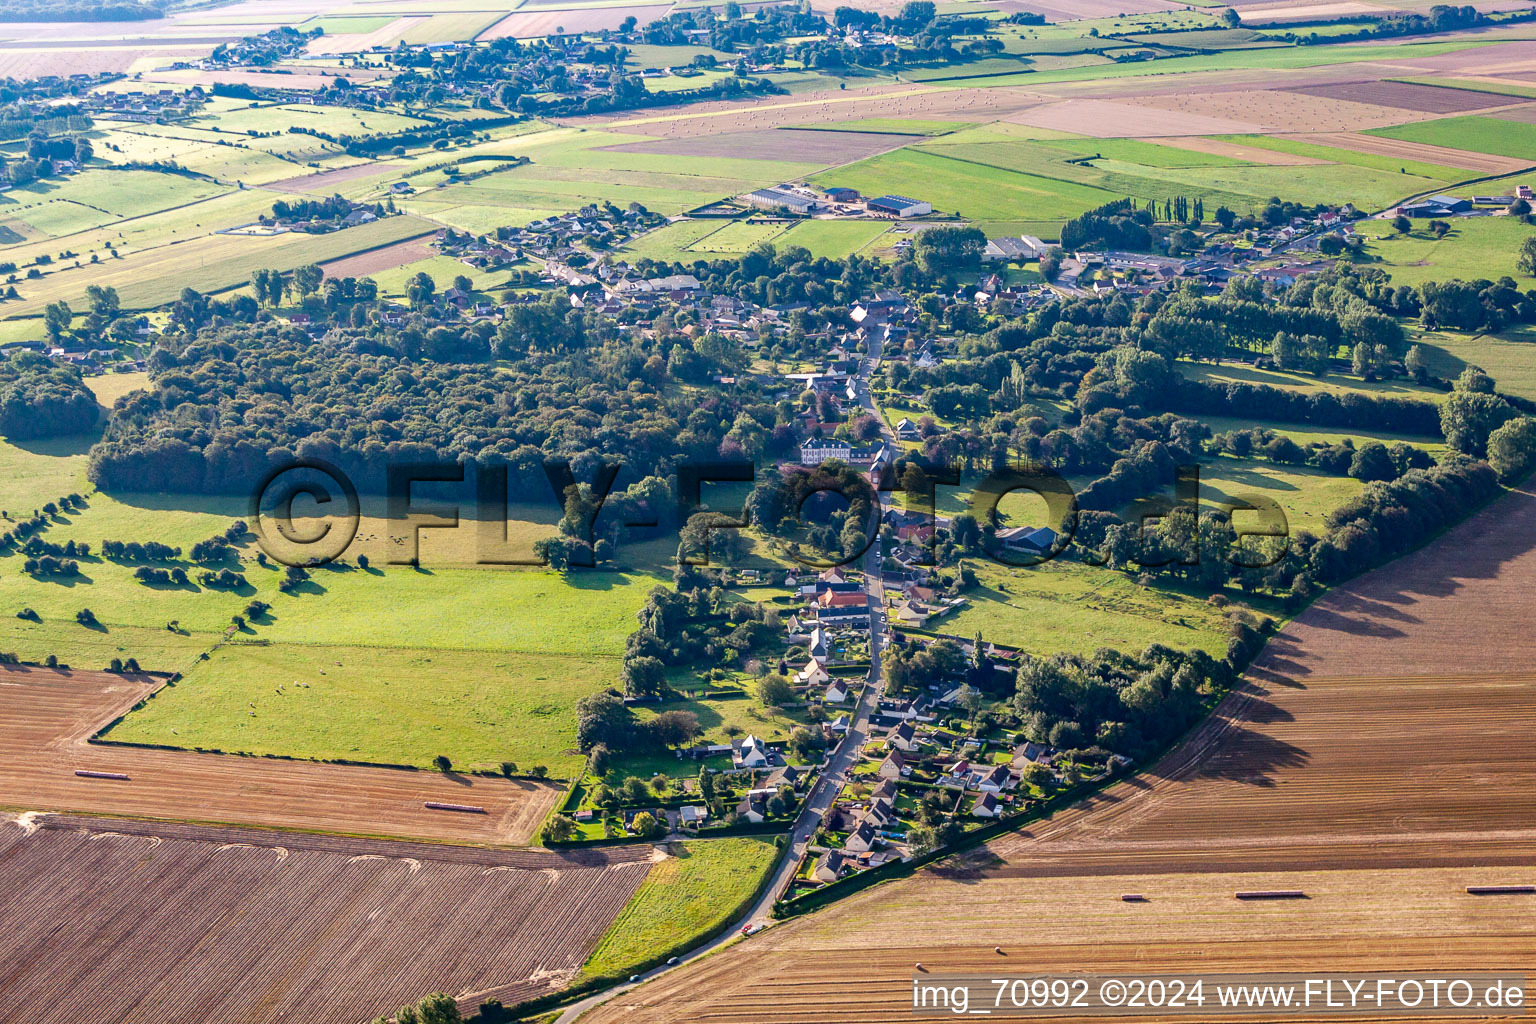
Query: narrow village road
x=832, y=777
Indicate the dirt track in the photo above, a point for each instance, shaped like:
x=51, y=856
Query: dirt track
x=1380, y=761
x=49, y=717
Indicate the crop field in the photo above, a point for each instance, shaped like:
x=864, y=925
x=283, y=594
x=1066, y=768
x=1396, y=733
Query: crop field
x=822, y=146
x=1396, y=159
x=1337, y=714
x=694, y=891
x=185, y=924
x=52, y=714
x=1408, y=95
x=379, y=704
x=543, y=21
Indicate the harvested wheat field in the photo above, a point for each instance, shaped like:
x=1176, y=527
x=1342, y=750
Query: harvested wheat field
x=1431, y=99
x=1485, y=163
x=1106, y=119
x=50, y=716
x=1280, y=112
x=324, y=183
x=818, y=147
x=823, y=108
x=1378, y=761
x=1351, y=921
x=376, y=260
x=532, y=23
x=139, y=922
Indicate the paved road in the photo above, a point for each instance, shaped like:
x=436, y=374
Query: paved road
x=833, y=775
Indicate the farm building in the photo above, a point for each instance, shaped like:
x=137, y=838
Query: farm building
x=1027, y=539
x=1021, y=248
x=838, y=194
x=779, y=199
x=899, y=206
x=1436, y=206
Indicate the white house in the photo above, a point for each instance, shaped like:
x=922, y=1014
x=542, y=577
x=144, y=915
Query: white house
x=836, y=693
x=752, y=753
x=986, y=806
x=862, y=839
x=996, y=780
x=812, y=674
x=816, y=450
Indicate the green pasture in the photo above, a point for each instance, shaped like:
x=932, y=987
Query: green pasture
x=971, y=189
x=209, y=263
x=690, y=894
x=1474, y=248
x=1064, y=605
x=832, y=238
x=1305, y=436
x=1509, y=356
x=1479, y=134
x=366, y=703
x=1335, y=383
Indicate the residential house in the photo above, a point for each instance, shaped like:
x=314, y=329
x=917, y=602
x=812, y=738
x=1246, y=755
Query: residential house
x=986, y=806
x=751, y=753
x=902, y=737
x=880, y=813
x=837, y=692
x=691, y=816
x=830, y=867
x=752, y=808
x=813, y=674
x=995, y=781
x=861, y=839
x=893, y=766
x=906, y=430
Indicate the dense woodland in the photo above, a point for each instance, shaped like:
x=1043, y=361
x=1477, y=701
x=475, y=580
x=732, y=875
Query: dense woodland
x=39, y=399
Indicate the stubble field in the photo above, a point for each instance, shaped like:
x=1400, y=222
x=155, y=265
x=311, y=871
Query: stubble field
x=129, y=921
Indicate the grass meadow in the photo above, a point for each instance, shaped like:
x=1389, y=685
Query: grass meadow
x=703, y=885
x=377, y=704
x=1475, y=248
x=1064, y=605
